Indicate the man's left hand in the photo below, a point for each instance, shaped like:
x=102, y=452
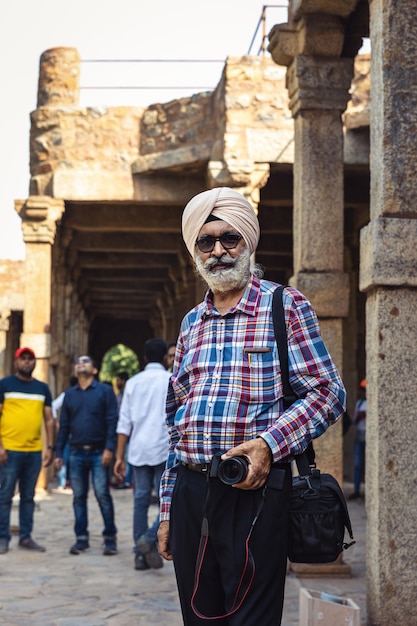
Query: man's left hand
x=260, y=459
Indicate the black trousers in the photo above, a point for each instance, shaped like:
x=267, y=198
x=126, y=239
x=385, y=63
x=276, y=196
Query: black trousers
x=230, y=513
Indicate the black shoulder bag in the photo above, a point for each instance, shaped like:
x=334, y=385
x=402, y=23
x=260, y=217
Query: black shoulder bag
x=318, y=509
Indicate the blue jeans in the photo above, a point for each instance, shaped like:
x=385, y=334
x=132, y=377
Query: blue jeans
x=63, y=474
x=359, y=464
x=82, y=463
x=23, y=467
x=145, y=478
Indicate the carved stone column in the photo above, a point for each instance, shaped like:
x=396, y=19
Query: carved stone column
x=4, y=327
x=388, y=273
x=318, y=82
x=39, y=216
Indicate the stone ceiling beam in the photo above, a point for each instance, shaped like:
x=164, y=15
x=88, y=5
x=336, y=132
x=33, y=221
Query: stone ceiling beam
x=128, y=242
x=125, y=260
x=122, y=218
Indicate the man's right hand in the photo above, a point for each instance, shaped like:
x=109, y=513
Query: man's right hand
x=163, y=541
x=58, y=463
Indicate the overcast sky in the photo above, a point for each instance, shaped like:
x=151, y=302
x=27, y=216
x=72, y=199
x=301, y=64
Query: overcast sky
x=125, y=29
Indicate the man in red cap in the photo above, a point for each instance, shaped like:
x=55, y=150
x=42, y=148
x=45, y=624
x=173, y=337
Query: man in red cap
x=24, y=403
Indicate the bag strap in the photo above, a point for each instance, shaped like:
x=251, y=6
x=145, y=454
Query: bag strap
x=303, y=460
x=280, y=330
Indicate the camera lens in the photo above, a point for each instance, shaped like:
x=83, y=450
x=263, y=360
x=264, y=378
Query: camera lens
x=233, y=470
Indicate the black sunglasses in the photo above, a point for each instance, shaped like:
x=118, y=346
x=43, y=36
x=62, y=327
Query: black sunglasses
x=229, y=241
x=83, y=359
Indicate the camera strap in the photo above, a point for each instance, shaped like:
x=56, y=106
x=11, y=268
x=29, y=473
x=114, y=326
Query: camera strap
x=248, y=572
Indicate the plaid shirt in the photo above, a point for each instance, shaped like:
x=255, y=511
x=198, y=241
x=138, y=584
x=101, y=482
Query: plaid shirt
x=226, y=387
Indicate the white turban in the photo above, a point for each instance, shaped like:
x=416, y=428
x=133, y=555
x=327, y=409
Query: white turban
x=226, y=204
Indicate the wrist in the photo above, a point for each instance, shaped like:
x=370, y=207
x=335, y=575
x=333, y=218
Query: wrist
x=52, y=448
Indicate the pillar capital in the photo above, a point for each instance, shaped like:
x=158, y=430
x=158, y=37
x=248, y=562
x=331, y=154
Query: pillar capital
x=319, y=83
x=299, y=8
x=39, y=215
x=312, y=35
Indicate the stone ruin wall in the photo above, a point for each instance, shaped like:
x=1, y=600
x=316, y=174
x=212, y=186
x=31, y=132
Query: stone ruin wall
x=12, y=282
x=177, y=124
x=78, y=138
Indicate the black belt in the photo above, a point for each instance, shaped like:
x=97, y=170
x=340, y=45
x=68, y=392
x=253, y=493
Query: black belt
x=79, y=446
x=197, y=467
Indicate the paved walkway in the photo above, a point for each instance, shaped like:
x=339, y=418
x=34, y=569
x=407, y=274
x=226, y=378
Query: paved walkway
x=58, y=589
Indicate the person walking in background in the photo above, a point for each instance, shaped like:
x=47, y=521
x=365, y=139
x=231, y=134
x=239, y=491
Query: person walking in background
x=142, y=418
x=121, y=379
x=170, y=356
x=89, y=418
x=24, y=403
x=225, y=400
x=359, y=419
x=63, y=474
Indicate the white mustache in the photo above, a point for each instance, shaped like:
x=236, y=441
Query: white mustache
x=224, y=260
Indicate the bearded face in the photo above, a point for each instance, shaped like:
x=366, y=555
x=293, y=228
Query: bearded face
x=225, y=273
x=25, y=365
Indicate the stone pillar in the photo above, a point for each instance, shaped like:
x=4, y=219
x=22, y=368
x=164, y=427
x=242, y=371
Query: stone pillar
x=388, y=274
x=318, y=91
x=39, y=216
x=4, y=327
x=318, y=82
x=59, y=77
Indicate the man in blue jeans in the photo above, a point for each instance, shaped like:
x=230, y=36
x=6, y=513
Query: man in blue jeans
x=89, y=416
x=142, y=418
x=24, y=403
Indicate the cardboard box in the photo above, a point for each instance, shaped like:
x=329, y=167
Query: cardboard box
x=318, y=608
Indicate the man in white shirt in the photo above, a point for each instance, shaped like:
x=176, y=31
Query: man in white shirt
x=142, y=419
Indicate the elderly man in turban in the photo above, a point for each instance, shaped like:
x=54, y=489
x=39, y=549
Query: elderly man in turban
x=225, y=489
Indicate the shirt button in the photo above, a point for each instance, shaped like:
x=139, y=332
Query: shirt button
x=207, y=435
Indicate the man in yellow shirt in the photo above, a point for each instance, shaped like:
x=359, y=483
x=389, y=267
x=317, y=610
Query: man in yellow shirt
x=24, y=403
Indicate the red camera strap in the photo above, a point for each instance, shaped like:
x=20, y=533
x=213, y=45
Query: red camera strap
x=248, y=572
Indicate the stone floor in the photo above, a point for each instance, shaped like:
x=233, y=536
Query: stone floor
x=58, y=589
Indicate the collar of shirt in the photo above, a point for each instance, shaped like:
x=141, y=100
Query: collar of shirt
x=155, y=366
x=247, y=304
x=92, y=385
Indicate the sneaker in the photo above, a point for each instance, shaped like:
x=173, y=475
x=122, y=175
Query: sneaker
x=110, y=546
x=4, y=546
x=80, y=546
x=150, y=552
x=30, y=544
x=140, y=562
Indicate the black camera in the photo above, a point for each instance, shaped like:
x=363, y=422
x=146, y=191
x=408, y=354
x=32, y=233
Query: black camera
x=230, y=471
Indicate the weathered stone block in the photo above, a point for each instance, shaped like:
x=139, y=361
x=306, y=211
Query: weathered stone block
x=388, y=253
x=328, y=292
x=92, y=185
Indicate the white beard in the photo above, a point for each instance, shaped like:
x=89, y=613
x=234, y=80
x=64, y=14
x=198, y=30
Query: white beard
x=235, y=276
